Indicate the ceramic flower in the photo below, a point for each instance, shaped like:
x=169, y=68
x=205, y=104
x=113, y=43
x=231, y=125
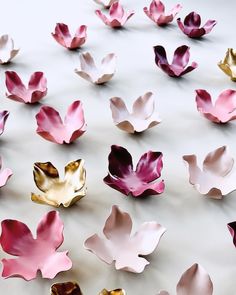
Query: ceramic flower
x=36, y=90
x=113, y=292
x=52, y=128
x=7, y=49
x=3, y=118
x=214, y=178
x=139, y=182
x=156, y=12
x=97, y=74
x=178, y=67
x=117, y=16
x=192, y=25
x=5, y=174
x=63, y=36
x=34, y=254
x=67, y=288
x=228, y=65
x=58, y=192
x=194, y=281
x=224, y=109
x=120, y=246
x=105, y=3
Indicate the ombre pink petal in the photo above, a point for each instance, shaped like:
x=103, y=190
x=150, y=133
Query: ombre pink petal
x=34, y=254
x=120, y=246
x=63, y=37
x=105, y=3
x=139, y=182
x=36, y=90
x=52, y=128
x=5, y=174
x=7, y=49
x=3, y=118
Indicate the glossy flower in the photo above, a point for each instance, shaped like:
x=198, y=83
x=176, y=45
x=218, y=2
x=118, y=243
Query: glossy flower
x=36, y=90
x=228, y=65
x=52, y=128
x=67, y=288
x=138, y=182
x=5, y=174
x=117, y=16
x=113, y=292
x=63, y=36
x=7, y=49
x=105, y=3
x=178, y=67
x=142, y=117
x=34, y=254
x=127, y=251
x=192, y=25
x=97, y=74
x=156, y=12
x=3, y=118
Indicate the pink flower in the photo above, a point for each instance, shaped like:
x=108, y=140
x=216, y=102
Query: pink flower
x=105, y=3
x=138, y=182
x=52, y=128
x=34, y=254
x=178, y=67
x=224, y=109
x=117, y=16
x=5, y=174
x=191, y=26
x=120, y=246
x=7, y=49
x=156, y=12
x=3, y=118
x=36, y=90
x=63, y=37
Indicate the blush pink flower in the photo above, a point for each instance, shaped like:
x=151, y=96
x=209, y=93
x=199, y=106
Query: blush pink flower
x=63, y=36
x=127, y=251
x=178, y=67
x=52, y=128
x=7, y=49
x=36, y=90
x=34, y=254
x=105, y=3
x=3, y=118
x=139, y=182
x=117, y=16
x=156, y=12
x=192, y=25
x=5, y=174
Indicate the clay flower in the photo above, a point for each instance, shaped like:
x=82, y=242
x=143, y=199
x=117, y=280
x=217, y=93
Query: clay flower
x=120, y=246
x=36, y=90
x=3, y=118
x=156, y=12
x=214, y=179
x=97, y=75
x=34, y=254
x=139, y=182
x=194, y=281
x=192, y=25
x=5, y=174
x=142, y=117
x=113, y=292
x=58, y=192
x=7, y=49
x=105, y=3
x=178, y=67
x=63, y=37
x=67, y=288
x=224, y=109
x=52, y=128
x=228, y=65
x=117, y=16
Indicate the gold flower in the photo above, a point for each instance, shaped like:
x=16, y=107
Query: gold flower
x=67, y=288
x=228, y=65
x=114, y=292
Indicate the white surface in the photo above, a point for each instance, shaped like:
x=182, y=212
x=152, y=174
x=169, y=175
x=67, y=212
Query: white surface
x=196, y=226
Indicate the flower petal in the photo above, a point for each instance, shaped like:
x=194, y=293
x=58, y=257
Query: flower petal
x=15, y=86
x=45, y=174
x=209, y=25
x=181, y=56
x=120, y=161
x=113, y=292
x=38, y=86
x=67, y=288
x=232, y=230
x=3, y=118
x=192, y=20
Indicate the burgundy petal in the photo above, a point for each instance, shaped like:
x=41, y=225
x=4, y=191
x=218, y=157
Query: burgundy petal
x=232, y=229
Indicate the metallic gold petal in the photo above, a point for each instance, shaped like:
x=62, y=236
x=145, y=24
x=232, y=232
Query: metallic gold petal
x=228, y=65
x=44, y=174
x=67, y=288
x=114, y=292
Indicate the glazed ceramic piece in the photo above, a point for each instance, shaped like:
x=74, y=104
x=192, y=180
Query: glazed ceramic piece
x=192, y=25
x=63, y=36
x=97, y=74
x=7, y=49
x=52, y=128
x=117, y=16
x=118, y=245
x=67, y=288
x=105, y=3
x=178, y=67
x=215, y=179
x=58, y=192
x=224, y=109
x=34, y=254
x=139, y=182
x=228, y=64
x=3, y=118
x=142, y=117
x=17, y=91
x=113, y=292
x=157, y=14
x=5, y=174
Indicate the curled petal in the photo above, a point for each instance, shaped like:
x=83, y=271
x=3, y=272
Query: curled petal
x=232, y=230
x=5, y=174
x=67, y=288
x=7, y=49
x=228, y=65
x=3, y=118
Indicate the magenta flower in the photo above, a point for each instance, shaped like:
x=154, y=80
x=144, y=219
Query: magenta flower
x=63, y=37
x=36, y=90
x=52, y=128
x=138, y=182
x=224, y=109
x=3, y=118
x=191, y=26
x=5, y=174
x=117, y=16
x=178, y=67
x=156, y=12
